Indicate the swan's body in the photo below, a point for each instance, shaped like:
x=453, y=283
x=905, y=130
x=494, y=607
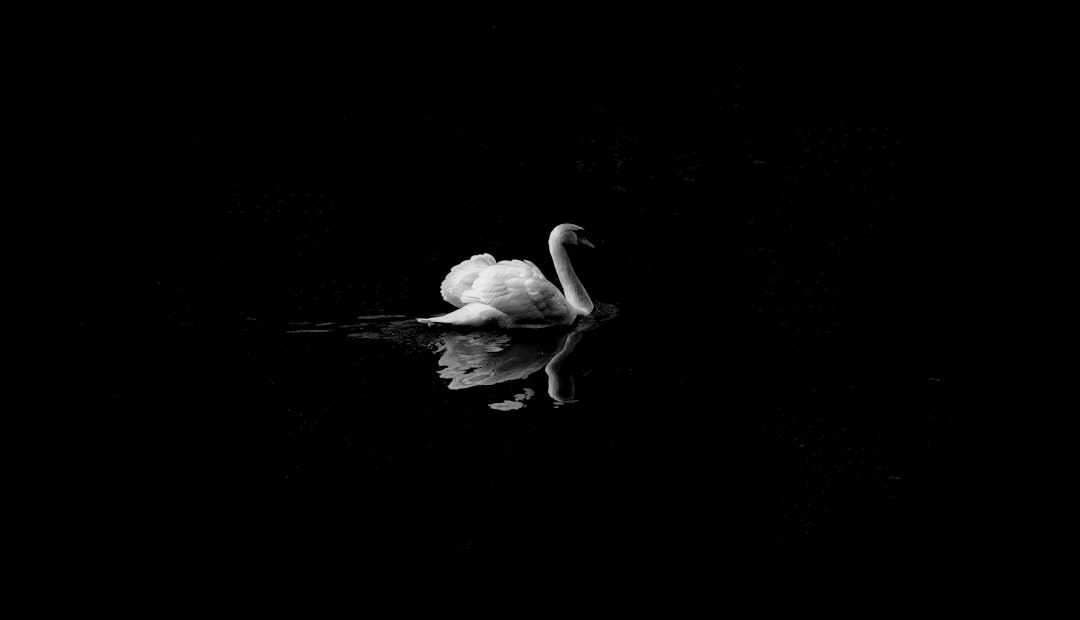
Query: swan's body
x=515, y=293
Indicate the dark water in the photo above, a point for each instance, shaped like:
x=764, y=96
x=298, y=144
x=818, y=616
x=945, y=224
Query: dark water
x=769, y=386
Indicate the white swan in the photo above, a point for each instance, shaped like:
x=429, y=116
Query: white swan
x=515, y=293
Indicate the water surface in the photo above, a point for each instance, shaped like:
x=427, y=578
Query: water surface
x=768, y=387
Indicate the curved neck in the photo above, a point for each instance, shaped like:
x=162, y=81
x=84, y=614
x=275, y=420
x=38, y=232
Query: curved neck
x=572, y=287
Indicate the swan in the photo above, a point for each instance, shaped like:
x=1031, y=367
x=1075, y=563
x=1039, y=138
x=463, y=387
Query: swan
x=515, y=293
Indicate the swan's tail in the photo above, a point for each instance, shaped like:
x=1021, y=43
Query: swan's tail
x=471, y=315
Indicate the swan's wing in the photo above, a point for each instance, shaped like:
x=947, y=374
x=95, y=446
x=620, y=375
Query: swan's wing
x=462, y=276
x=518, y=289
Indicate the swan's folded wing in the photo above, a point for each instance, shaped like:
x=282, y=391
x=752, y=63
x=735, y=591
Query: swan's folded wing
x=518, y=289
x=462, y=276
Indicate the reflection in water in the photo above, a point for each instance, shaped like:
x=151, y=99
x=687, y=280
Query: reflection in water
x=472, y=359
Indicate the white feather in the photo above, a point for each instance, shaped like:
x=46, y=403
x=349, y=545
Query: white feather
x=512, y=293
x=462, y=276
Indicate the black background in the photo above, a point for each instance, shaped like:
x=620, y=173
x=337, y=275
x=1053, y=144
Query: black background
x=764, y=223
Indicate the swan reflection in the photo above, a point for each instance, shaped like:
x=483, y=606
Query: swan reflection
x=472, y=359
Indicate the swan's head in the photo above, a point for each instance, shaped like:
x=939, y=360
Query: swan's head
x=568, y=234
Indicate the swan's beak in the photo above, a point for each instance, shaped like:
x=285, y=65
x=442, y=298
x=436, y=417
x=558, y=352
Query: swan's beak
x=585, y=242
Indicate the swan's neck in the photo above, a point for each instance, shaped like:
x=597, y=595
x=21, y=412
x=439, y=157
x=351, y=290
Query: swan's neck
x=571, y=285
